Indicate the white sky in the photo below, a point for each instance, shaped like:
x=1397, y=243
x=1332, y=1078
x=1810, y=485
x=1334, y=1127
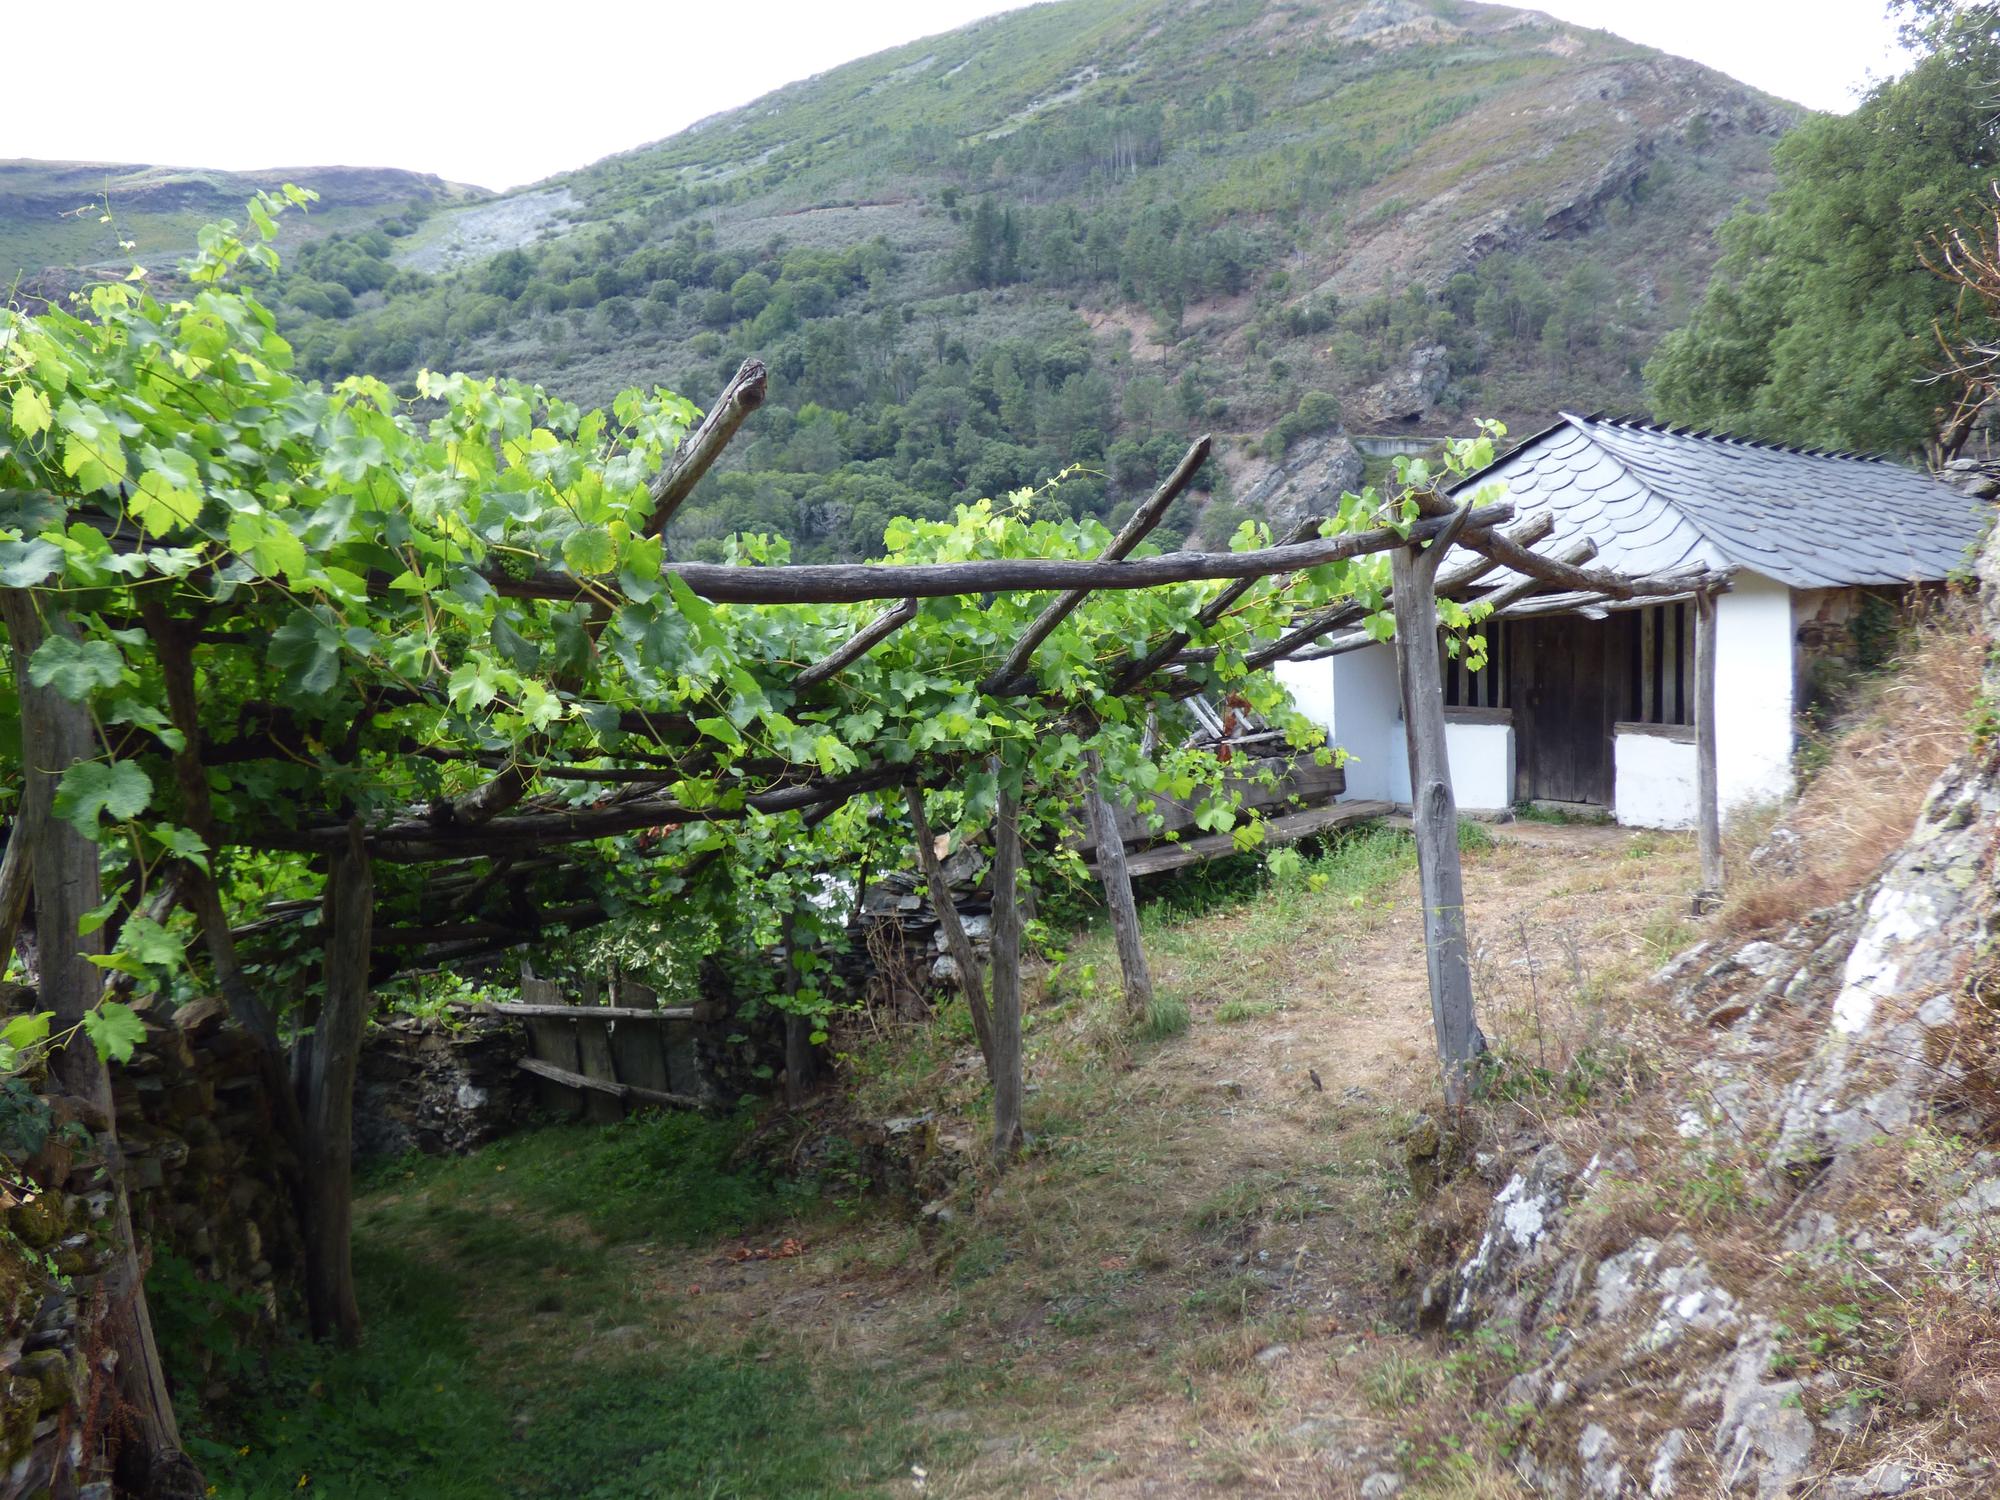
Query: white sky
x=504, y=93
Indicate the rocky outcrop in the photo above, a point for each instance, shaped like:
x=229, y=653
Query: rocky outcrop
x=1410, y=394
x=1308, y=481
x=1681, y=1288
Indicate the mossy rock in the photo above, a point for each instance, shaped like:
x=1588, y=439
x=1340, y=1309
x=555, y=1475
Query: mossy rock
x=51, y=1372
x=39, y=1221
x=20, y=1407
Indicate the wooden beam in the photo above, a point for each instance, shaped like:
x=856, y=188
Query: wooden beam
x=1133, y=532
x=700, y=448
x=1009, y=1135
x=1581, y=580
x=329, y=1109
x=631, y=1093
x=1288, y=828
x=1434, y=809
x=621, y=1013
x=1141, y=667
x=1289, y=645
x=957, y=944
x=864, y=640
x=845, y=583
x=1708, y=812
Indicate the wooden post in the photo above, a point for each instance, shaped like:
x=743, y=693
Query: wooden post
x=1008, y=1087
x=56, y=734
x=1435, y=812
x=955, y=940
x=1708, y=811
x=641, y=1045
x=1117, y=882
x=798, y=1028
x=349, y=906
x=552, y=1041
x=594, y=1060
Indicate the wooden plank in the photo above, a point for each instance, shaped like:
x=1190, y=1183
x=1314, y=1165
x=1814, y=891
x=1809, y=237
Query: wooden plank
x=594, y=1060
x=552, y=1042
x=619, y=1013
x=582, y=1083
x=640, y=1050
x=1679, y=733
x=1299, y=776
x=1649, y=667
x=1284, y=830
x=1435, y=811
x=1708, y=814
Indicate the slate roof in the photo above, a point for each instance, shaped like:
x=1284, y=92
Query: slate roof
x=1655, y=498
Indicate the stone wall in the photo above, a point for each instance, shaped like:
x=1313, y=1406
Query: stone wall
x=440, y=1088
x=208, y=1181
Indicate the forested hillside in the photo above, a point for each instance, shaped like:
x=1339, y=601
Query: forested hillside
x=1076, y=233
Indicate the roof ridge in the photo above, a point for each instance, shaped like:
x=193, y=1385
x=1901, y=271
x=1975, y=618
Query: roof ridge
x=1635, y=422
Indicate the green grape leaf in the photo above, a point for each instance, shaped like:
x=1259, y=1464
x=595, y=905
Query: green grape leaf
x=30, y=412
x=24, y=565
x=590, y=550
x=306, y=648
x=76, y=669
x=114, y=1030
x=94, y=787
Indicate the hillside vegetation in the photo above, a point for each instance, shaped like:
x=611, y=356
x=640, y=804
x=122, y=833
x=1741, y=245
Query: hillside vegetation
x=1075, y=234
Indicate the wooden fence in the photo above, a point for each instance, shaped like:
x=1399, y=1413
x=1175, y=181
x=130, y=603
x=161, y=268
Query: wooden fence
x=599, y=1062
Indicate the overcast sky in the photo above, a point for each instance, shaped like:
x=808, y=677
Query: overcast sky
x=504, y=93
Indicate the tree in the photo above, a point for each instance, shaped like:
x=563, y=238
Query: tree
x=1817, y=327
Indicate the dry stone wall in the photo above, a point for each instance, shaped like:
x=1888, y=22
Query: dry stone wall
x=209, y=1182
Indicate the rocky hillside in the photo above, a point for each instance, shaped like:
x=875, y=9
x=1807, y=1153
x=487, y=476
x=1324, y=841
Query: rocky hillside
x=1079, y=232
x=1771, y=1272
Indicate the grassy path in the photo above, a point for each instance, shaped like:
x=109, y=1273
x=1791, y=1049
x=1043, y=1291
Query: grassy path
x=1191, y=1286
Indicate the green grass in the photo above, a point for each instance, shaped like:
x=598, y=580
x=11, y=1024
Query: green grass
x=666, y=1178
x=508, y=1354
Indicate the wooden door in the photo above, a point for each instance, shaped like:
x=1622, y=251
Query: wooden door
x=1566, y=689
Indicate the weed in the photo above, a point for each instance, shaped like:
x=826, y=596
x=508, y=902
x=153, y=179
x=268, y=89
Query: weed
x=1245, y=1010
x=1166, y=1017
x=1565, y=814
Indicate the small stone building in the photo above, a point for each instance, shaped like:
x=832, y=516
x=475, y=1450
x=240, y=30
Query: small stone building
x=1596, y=709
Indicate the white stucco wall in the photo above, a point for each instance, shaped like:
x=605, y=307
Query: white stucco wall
x=1753, y=693
x=1655, y=780
x=1355, y=698
x=1482, y=765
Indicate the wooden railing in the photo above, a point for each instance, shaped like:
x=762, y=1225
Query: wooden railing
x=599, y=1062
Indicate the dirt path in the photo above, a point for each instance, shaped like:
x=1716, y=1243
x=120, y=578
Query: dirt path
x=1195, y=1284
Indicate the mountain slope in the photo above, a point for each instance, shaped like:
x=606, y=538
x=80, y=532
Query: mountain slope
x=1080, y=232
x=64, y=217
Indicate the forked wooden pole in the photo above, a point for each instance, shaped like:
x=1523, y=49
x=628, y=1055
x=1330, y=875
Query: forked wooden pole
x=957, y=943
x=1435, y=812
x=1008, y=1087
x=1708, y=810
x=1117, y=882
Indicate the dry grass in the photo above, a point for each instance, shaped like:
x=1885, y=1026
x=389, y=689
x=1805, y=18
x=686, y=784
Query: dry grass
x=1881, y=757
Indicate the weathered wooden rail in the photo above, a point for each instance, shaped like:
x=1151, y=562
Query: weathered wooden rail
x=598, y=1062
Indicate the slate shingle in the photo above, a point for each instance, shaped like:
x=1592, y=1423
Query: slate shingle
x=1653, y=499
